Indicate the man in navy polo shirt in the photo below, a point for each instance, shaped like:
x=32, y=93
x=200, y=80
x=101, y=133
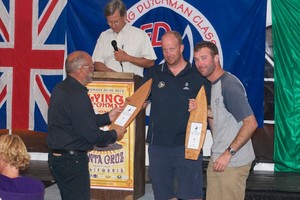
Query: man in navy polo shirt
x=174, y=83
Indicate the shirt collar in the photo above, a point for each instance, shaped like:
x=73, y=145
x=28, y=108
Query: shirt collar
x=165, y=68
x=123, y=30
x=76, y=82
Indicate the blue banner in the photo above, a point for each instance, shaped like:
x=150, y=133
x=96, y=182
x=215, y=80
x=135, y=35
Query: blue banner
x=237, y=27
x=33, y=34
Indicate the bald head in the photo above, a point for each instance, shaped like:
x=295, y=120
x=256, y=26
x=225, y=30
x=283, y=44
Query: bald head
x=79, y=65
x=174, y=34
x=77, y=59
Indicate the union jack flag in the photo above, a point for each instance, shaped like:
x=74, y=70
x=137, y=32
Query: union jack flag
x=32, y=46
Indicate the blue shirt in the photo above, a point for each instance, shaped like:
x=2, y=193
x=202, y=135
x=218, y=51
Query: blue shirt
x=170, y=101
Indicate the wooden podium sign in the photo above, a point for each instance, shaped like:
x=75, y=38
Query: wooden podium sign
x=132, y=107
x=117, y=171
x=110, y=167
x=196, y=127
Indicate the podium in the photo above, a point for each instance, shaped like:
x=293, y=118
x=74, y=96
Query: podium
x=118, y=170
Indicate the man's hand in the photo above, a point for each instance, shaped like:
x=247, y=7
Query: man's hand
x=192, y=105
x=121, y=56
x=113, y=113
x=145, y=104
x=120, y=133
x=221, y=163
x=209, y=112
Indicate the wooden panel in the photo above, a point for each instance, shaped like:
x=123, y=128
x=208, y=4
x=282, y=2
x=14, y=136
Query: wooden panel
x=40, y=170
x=34, y=141
x=113, y=76
x=263, y=143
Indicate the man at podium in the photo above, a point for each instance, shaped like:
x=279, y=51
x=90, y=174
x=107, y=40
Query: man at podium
x=122, y=48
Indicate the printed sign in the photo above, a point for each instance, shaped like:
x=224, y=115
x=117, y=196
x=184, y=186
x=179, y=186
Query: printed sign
x=111, y=167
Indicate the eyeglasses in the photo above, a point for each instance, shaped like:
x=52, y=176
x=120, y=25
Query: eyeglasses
x=88, y=67
x=115, y=22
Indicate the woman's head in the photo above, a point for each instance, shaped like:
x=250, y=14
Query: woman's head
x=13, y=152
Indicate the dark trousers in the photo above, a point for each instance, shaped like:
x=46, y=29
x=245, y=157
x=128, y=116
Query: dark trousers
x=71, y=174
x=174, y=176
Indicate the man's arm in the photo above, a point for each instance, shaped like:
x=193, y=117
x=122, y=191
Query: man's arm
x=122, y=56
x=99, y=66
x=210, y=118
x=243, y=136
x=245, y=133
x=142, y=62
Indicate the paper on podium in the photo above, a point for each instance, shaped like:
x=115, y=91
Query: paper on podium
x=132, y=107
x=196, y=127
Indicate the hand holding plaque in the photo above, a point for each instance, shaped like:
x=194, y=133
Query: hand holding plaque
x=196, y=127
x=132, y=107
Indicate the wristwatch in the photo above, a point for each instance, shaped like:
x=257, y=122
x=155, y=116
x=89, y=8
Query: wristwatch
x=231, y=150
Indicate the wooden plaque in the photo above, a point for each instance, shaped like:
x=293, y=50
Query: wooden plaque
x=196, y=127
x=132, y=106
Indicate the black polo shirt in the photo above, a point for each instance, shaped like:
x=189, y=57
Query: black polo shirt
x=72, y=122
x=170, y=101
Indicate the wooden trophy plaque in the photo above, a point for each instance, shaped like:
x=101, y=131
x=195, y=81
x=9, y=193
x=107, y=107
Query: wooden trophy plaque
x=132, y=106
x=196, y=127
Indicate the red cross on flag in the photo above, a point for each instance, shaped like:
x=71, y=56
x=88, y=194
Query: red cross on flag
x=32, y=37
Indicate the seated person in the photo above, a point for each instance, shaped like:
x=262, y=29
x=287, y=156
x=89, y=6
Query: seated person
x=13, y=158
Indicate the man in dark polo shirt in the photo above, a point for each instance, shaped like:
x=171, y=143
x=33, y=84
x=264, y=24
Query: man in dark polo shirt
x=73, y=128
x=174, y=83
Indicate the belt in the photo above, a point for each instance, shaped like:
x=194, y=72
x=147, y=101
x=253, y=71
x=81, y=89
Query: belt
x=70, y=152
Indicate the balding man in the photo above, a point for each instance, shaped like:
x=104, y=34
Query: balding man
x=73, y=128
x=174, y=82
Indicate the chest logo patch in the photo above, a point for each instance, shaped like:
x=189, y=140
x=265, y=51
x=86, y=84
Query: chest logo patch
x=161, y=84
x=186, y=86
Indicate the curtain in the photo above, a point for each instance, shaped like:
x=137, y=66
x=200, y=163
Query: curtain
x=286, y=41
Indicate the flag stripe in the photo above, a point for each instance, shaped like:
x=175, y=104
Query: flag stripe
x=22, y=58
x=3, y=95
x=4, y=30
x=42, y=88
x=47, y=14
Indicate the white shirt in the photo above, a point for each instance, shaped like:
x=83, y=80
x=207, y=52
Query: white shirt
x=132, y=40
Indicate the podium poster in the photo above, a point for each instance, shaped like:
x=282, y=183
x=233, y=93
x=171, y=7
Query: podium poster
x=111, y=167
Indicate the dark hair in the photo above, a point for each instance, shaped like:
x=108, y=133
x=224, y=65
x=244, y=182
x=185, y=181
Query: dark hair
x=213, y=48
x=114, y=5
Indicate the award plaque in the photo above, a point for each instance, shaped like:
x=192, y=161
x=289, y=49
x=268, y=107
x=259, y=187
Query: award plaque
x=132, y=106
x=196, y=127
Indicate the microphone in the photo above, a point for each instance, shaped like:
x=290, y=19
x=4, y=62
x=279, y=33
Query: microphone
x=114, y=44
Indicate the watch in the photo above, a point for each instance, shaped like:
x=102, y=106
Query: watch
x=231, y=150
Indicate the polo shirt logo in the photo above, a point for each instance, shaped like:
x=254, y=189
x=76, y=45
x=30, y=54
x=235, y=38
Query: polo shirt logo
x=161, y=84
x=186, y=86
